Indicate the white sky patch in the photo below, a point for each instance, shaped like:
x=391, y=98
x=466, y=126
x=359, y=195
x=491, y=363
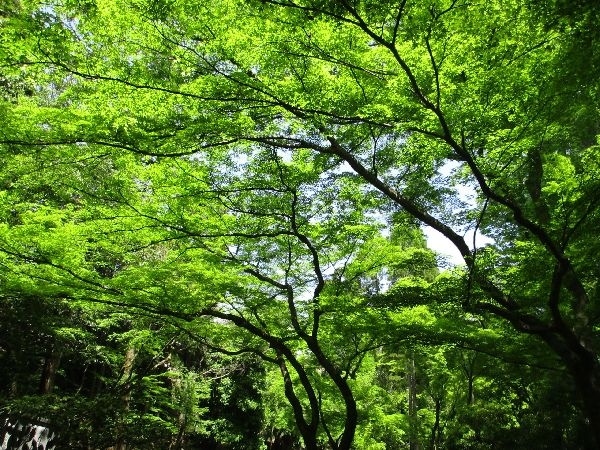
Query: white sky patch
x=440, y=244
x=285, y=155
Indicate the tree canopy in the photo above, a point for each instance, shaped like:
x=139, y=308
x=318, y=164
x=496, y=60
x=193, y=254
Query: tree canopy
x=212, y=214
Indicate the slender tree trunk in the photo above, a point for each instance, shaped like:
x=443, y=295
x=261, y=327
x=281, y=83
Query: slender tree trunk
x=435, y=430
x=308, y=430
x=13, y=363
x=351, y=417
x=470, y=392
x=412, y=403
x=126, y=397
x=48, y=376
x=347, y=437
x=468, y=365
x=179, y=440
x=97, y=384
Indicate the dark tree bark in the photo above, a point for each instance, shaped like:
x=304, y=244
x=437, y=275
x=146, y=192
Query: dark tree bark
x=49, y=369
x=435, y=430
x=412, y=404
x=130, y=354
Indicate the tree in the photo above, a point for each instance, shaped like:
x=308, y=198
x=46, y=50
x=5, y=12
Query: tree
x=379, y=99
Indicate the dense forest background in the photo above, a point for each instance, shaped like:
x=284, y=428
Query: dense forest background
x=212, y=215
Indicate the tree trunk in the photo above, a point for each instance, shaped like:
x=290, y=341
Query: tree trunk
x=435, y=430
x=587, y=380
x=48, y=376
x=412, y=404
x=468, y=365
x=97, y=385
x=345, y=440
x=584, y=367
x=126, y=397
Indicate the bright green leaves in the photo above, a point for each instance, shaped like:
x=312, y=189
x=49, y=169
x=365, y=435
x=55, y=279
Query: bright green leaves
x=255, y=173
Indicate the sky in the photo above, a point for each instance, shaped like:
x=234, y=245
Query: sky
x=437, y=242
